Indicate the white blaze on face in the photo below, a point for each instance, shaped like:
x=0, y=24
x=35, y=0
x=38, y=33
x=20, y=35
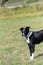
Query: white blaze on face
x=31, y=57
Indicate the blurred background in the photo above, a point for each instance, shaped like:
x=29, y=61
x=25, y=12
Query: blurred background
x=25, y=8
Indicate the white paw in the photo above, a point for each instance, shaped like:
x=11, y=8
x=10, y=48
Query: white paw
x=31, y=57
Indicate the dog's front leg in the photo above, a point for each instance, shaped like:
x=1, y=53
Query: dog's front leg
x=32, y=56
x=32, y=48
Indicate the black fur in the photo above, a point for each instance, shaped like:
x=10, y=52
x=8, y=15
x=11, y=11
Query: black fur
x=35, y=38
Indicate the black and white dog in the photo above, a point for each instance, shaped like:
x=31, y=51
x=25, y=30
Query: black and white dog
x=33, y=38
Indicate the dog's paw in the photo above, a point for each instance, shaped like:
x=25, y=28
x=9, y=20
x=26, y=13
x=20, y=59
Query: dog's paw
x=31, y=58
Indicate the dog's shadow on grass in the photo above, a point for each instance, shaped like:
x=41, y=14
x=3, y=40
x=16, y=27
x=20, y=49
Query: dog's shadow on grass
x=39, y=55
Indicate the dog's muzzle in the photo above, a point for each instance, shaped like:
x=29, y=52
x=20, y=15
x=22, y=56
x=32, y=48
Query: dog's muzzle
x=23, y=34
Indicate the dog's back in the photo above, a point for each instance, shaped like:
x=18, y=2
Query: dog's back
x=38, y=36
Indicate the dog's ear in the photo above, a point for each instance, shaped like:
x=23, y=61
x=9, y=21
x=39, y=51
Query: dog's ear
x=27, y=28
x=21, y=29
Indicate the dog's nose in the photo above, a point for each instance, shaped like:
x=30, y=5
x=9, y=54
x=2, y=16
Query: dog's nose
x=22, y=34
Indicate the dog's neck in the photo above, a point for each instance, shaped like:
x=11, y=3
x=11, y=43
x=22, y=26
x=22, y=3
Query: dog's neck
x=28, y=37
x=29, y=34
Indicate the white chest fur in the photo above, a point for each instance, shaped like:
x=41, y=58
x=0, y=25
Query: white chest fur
x=28, y=40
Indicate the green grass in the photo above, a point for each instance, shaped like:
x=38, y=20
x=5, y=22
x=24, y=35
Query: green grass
x=13, y=47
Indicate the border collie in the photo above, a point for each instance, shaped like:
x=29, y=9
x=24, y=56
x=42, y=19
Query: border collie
x=32, y=38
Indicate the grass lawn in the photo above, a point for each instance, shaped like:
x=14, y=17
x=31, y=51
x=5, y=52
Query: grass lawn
x=13, y=48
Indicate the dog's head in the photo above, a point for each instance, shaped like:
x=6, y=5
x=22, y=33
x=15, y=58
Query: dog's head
x=24, y=31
